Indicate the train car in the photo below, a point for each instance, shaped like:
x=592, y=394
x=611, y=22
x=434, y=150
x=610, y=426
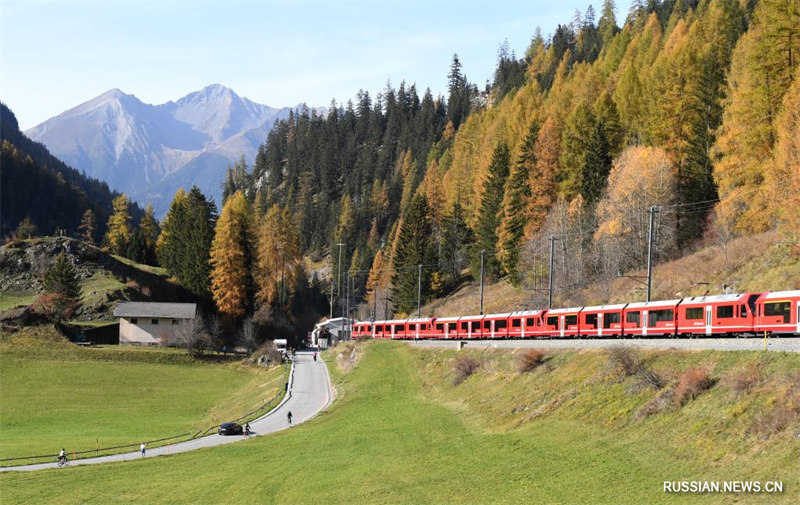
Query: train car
x=646, y=319
x=471, y=327
x=496, y=325
x=601, y=321
x=778, y=313
x=447, y=327
x=394, y=329
x=730, y=314
x=420, y=328
x=523, y=323
x=377, y=329
x=361, y=330
x=566, y=322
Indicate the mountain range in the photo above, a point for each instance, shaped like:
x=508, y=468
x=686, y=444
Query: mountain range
x=149, y=151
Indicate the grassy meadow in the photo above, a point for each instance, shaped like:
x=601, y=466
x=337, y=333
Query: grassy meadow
x=59, y=395
x=401, y=432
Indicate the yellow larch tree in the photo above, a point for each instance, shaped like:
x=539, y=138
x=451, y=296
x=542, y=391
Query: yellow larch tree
x=231, y=257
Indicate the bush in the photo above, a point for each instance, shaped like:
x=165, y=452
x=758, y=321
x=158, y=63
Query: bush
x=627, y=363
x=785, y=412
x=530, y=360
x=745, y=379
x=267, y=353
x=463, y=367
x=55, y=306
x=691, y=384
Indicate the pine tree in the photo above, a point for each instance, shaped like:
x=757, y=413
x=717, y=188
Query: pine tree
x=414, y=248
x=596, y=165
x=457, y=241
x=88, y=226
x=136, y=249
x=149, y=228
x=575, y=140
x=195, y=237
x=26, y=228
x=168, y=245
x=489, y=214
x=607, y=26
x=231, y=257
x=515, y=205
x=119, y=229
x=61, y=278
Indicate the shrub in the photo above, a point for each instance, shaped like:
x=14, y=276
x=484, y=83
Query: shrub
x=627, y=363
x=55, y=306
x=530, y=360
x=691, y=384
x=660, y=403
x=745, y=379
x=784, y=413
x=463, y=367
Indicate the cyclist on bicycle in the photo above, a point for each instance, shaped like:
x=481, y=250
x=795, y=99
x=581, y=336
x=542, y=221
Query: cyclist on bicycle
x=247, y=429
x=289, y=417
x=62, y=456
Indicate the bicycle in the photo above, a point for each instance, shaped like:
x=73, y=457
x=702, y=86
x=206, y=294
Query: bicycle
x=63, y=462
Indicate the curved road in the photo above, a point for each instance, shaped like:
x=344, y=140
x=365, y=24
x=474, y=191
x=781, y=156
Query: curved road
x=309, y=393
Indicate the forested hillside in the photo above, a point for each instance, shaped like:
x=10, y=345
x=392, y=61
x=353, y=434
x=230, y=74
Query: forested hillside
x=41, y=187
x=690, y=107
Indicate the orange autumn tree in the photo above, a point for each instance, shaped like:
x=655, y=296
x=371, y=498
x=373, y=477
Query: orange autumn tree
x=231, y=253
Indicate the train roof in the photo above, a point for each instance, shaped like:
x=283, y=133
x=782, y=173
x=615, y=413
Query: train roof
x=615, y=306
x=782, y=294
x=524, y=313
x=731, y=297
x=449, y=319
x=658, y=303
x=571, y=310
x=493, y=316
x=419, y=319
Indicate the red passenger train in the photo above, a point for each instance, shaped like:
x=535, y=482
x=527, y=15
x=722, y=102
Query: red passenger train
x=733, y=315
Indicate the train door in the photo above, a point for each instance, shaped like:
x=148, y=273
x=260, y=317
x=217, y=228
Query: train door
x=645, y=321
x=708, y=320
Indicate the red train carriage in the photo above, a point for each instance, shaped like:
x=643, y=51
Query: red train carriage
x=420, y=328
x=447, y=327
x=647, y=319
x=601, y=321
x=562, y=322
x=523, y=324
x=717, y=315
x=471, y=327
x=778, y=313
x=496, y=325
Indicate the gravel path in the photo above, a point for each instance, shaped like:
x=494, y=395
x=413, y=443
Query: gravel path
x=718, y=344
x=309, y=393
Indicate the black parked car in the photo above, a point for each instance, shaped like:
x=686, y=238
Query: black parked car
x=230, y=429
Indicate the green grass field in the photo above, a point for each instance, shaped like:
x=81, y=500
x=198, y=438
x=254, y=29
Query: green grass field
x=393, y=436
x=64, y=396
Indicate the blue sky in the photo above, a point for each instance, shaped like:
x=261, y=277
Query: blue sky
x=57, y=54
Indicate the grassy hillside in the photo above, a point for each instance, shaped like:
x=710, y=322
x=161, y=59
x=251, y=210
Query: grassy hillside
x=58, y=395
x=398, y=434
x=759, y=263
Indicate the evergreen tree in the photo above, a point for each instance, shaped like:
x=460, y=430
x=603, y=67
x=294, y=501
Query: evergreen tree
x=607, y=26
x=458, y=102
x=195, y=237
x=119, y=229
x=489, y=216
x=88, y=226
x=515, y=205
x=149, y=228
x=575, y=140
x=414, y=248
x=136, y=249
x=231, y=257
x=457, y=241
x=168, y=247
x=61, y=278
x=596, y=166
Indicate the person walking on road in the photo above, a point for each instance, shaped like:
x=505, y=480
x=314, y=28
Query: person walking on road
x=315, y=355
x=289, y=417
x=142, y=448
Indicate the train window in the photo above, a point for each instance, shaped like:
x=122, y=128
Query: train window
x=516, y=323
x=658, y=316
x=725, y=311
x=780, y=309
x=751, y=301
x=368, y=328
x=633, y=318
x=501, y=324
x=451, y=326
x=464, y=326
x=379, y=329
x=694, y=313
x=476, y=325
x=398, y=328
x=529, y=322
x=591, y=320
x=571, y=320
x=439, y=326
x=552, y=321
x=742, y=310
x=610, y=318
x=487, y=324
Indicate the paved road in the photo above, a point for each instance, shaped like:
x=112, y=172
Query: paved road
x=719, y=344
x=309, y=393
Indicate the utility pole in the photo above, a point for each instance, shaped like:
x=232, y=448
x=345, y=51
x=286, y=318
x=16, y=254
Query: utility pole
x=347, y=306
x=331, y=300
x=339, y=273
x=483, y=262
x=375, y=303
x=653, y=211
x=550, y=282
x=419, y=290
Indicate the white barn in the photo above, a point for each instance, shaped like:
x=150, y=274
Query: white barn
x=153, y=323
